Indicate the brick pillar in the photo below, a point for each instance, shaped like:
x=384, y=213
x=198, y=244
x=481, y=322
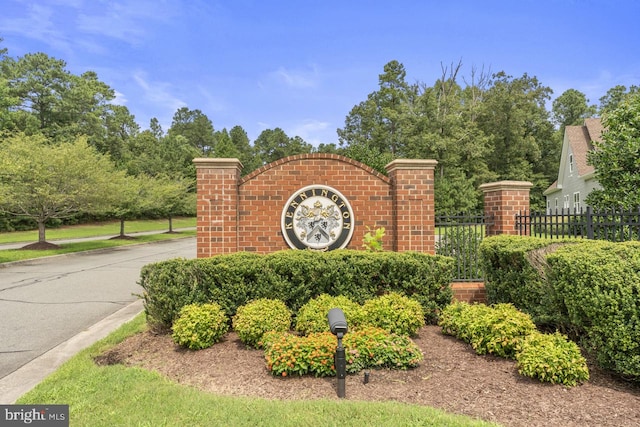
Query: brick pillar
x=503, y=200
x=217, y=206
x=413, y=204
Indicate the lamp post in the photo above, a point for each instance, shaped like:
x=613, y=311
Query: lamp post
x=338, y=327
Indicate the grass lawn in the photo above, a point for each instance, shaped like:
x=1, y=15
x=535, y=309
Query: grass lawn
x=106, y=228
x=92, y=230
x=120, y=396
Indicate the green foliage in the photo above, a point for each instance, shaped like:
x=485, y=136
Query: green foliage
x=200, y=326
x=514, y=268
x=42, y=181
x=274, y=144
x=552, y=358
x=616, y=158
x=394, y=313
x=263, y=315
x=372, y=347
x=599, y=283
x=372, y=240
x=294, y=277
x=312, y=317
x=288, y=354
x=497, y=330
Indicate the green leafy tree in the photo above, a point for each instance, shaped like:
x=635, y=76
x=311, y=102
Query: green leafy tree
x=515, y=118
x=171, y=196
x=196, y=127
x=617, y=158
x=247, y=156
x=224, y=146
x=381, y=121
x=41, y=181
x=614, y=97
x=571, y=108
x=274, y=144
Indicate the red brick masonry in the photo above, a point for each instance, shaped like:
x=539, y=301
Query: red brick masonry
x=237, y=213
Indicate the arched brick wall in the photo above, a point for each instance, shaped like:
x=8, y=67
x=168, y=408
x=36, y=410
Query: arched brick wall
x=243, y=213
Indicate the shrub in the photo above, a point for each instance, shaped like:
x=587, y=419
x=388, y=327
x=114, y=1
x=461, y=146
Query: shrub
x=394, y=313
x=371, y=347
x=515, y=273
x=287, y=354
x=552, y=358
x=256, y=318
x=496, y=330
x=600, y=283
x=200, y=326
x=294, y=277
x=312, y=317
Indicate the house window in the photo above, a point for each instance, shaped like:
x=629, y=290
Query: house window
x=556, y=205
x=548, y=206
x=576, y=202
x=570, y=163
x=565, y=204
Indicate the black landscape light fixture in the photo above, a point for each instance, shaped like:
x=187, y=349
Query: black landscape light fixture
x=338, y=327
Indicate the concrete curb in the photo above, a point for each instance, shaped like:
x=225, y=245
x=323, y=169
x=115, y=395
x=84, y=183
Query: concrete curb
x=28, y=376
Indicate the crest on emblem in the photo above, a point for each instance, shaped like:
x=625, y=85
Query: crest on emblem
x=317, y=217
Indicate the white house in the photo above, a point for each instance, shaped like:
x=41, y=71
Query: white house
x=576, y=179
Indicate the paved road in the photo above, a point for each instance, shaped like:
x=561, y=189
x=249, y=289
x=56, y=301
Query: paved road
x=45, y=302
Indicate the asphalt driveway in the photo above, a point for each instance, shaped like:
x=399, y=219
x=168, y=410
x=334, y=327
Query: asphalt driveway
x=46, y=302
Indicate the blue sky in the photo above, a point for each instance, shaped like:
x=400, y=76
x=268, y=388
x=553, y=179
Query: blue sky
x=302, y=65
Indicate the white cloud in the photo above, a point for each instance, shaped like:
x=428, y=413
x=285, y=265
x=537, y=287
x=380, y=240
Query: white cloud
x=120, y=98
x=37, y=25
x=297, y=78
x=158, y=93
x=314, y=132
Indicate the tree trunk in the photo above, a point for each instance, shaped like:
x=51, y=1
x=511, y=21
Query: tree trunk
x=122, y=228
x=41, y=232
x=170, y=224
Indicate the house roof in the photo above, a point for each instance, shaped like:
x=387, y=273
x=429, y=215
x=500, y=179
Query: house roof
x=579, y=141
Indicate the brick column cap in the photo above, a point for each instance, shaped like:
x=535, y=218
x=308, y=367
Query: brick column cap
x=506, y=185
x=217, y=163
x=411, y=164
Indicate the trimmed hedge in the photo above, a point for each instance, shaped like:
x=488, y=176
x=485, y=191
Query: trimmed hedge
x=293, y=276
x=515, y=273
x=589, y=288
x=599, y=283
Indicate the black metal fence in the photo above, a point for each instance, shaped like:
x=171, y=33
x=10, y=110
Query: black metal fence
x=614, y=225
x=459, y=236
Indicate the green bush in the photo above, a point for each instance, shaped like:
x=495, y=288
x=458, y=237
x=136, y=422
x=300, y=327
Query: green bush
x=552, y=358
x=295, y=277
x=200, y=326
x=515, y=273
x=287, y=354
x=395, y=313
x=312, y=317
x=256, y=318
x=496, y=330
x=599, y=283
x=371, y=347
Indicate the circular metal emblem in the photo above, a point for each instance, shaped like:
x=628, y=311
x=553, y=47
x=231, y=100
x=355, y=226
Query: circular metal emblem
x=317, y=217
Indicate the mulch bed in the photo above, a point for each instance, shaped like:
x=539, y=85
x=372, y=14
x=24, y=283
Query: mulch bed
x=451, y=377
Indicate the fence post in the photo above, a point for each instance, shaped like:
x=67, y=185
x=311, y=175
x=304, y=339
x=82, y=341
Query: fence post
x=589, y=220
x=502, y=200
